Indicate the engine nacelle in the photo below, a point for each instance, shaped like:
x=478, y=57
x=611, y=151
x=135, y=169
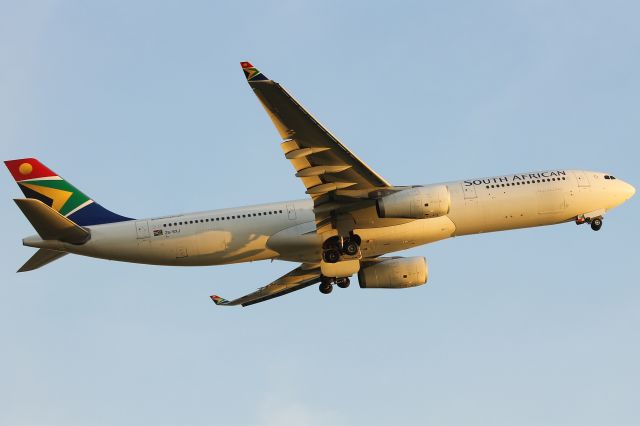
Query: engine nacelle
x=399, y=272
x=421, y=202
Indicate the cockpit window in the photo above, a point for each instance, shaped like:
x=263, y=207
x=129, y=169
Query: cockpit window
x=609, y=177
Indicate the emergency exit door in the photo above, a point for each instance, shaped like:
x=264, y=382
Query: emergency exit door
x=142, y=229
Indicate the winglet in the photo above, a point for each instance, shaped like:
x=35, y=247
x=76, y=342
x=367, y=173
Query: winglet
x=252, y=73
x=219, y=300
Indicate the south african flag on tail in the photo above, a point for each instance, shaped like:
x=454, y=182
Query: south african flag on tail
x=41, y=183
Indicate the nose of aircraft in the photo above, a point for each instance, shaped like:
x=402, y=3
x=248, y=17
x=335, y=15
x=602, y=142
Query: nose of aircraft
x=628, y=190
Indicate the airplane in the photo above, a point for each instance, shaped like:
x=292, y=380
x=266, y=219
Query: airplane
x=350, y=223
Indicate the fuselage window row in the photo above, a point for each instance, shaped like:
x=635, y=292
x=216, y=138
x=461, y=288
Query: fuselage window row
x=272, y=212
x=523, y=183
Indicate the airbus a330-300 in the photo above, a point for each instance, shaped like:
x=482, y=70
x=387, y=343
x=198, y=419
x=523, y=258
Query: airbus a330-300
x=349, y=223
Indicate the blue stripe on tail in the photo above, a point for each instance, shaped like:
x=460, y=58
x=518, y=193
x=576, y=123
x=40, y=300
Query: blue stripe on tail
x=95, y=214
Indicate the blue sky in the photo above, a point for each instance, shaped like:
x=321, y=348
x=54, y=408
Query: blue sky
x=143, y=106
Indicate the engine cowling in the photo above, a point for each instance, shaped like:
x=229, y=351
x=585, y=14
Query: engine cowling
x=399, y=272
x=421, y=202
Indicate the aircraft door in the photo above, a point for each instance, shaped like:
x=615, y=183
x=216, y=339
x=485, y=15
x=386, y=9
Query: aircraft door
x=582, y=179
x=469, y=191
x=291, y=211
x=142, y=229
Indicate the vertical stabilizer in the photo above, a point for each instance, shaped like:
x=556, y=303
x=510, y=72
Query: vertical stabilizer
x=39, y=182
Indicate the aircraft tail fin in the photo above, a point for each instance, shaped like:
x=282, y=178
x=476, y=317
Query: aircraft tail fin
x=40, y=258
x=39, y=182
x=50, y=224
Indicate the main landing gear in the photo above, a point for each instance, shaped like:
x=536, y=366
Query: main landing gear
x=596, y=222
x=326, y=284
x=335, y=248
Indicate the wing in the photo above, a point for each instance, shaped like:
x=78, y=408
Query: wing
x=301, y=277
x=332, y=175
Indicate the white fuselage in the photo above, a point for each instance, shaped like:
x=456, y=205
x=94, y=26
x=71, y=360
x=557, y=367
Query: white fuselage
x=286, y=230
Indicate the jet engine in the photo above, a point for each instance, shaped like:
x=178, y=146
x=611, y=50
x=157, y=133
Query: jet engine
x=394, y=272
x=421, y=202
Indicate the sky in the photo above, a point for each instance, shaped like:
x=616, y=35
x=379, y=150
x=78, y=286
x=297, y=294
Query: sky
x=143, y=106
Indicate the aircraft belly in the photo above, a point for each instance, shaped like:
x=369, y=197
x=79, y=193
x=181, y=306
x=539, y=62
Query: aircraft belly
x=377, y=241
x=298, y=243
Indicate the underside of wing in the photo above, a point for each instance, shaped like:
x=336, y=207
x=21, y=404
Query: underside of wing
x=335, y=178
x=301, y=277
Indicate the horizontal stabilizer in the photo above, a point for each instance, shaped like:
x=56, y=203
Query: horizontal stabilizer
x=40, y=258
x=50, y=224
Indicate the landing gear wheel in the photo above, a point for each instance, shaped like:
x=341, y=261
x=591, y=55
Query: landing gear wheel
x=350, y=247
x=331, y=255
x=343, y=282
x=326, y=287
x=596, y=224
